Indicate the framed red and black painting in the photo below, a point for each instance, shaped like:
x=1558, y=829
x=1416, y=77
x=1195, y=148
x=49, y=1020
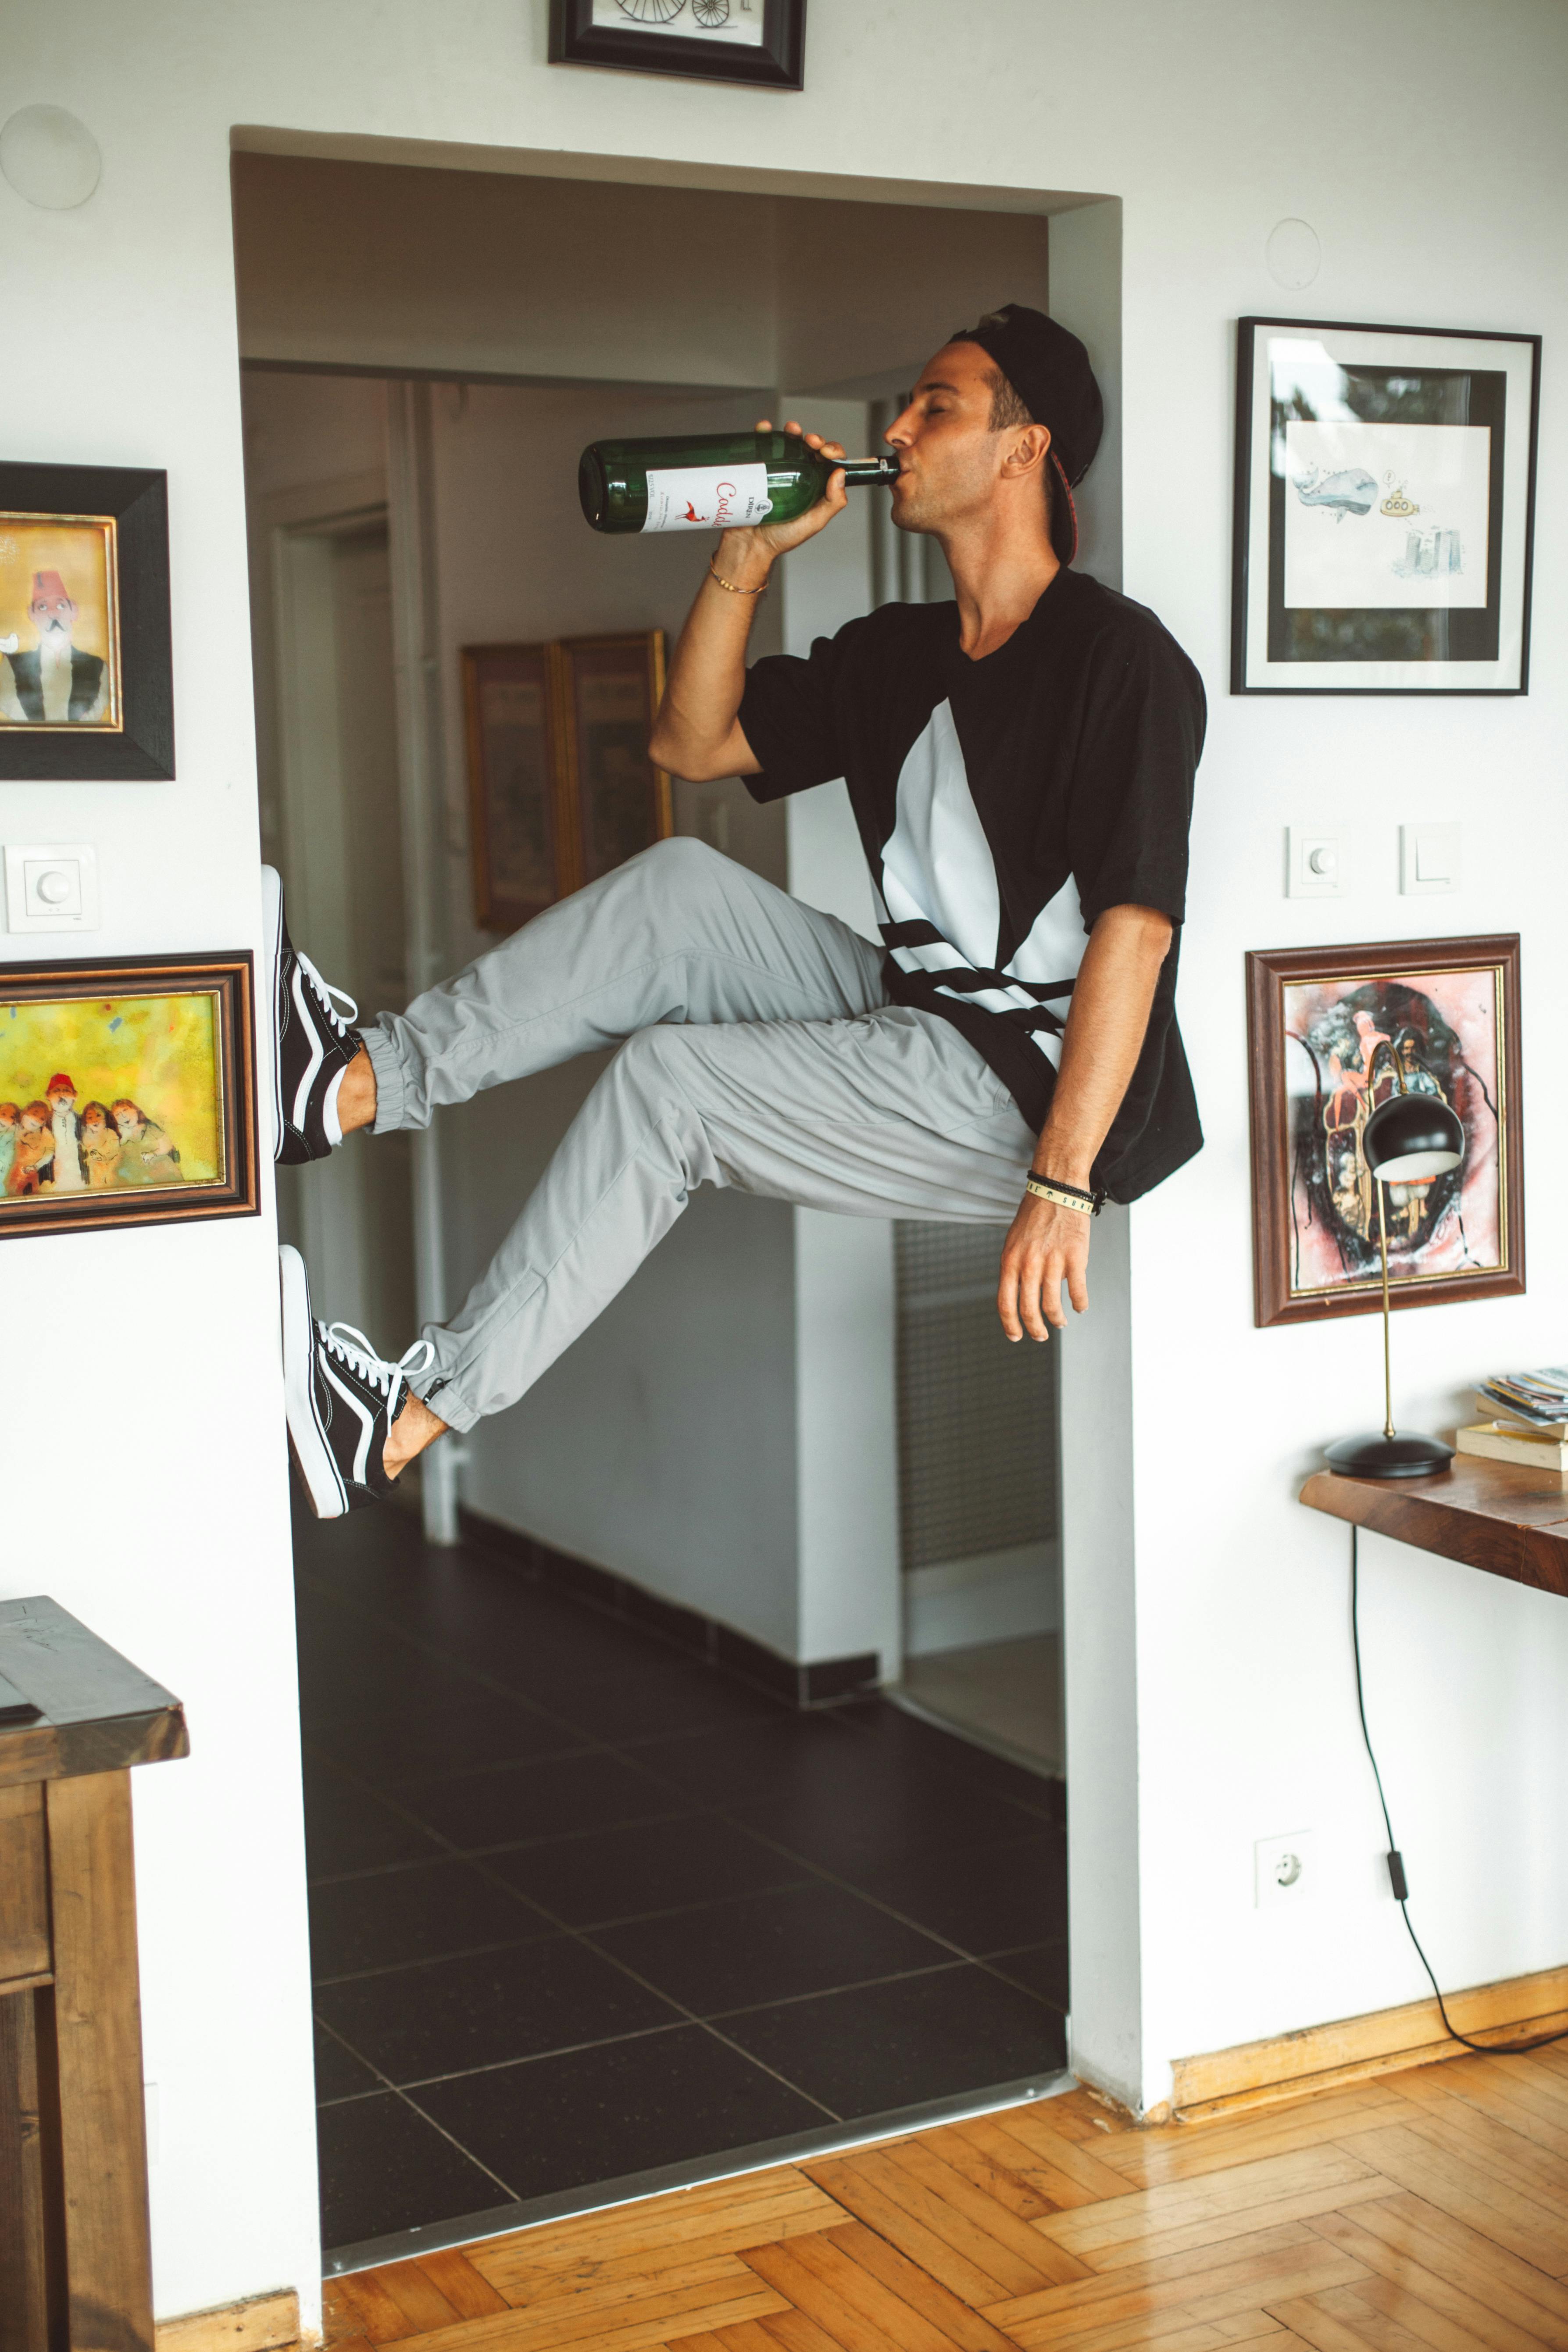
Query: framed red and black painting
x=1334, y=1032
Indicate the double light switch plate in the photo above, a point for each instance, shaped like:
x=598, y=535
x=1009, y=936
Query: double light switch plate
x=51, y=886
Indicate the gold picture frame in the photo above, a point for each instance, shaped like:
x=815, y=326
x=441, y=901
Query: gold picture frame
x=561, y=788
x=59, y=577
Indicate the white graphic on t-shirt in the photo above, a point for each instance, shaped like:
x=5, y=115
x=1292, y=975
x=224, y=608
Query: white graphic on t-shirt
x=938, y=865
x=938, y=869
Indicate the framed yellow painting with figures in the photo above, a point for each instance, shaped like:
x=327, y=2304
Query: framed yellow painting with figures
x=60, y=621
x=127, y=1093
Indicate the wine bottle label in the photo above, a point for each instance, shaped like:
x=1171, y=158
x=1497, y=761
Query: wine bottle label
x=706, y=497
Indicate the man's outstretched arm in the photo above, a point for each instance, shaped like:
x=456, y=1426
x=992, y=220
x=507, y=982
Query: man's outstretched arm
x=1048, y=1246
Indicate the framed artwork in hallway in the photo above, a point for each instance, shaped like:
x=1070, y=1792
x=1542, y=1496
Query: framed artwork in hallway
x=561, y=788
x=1334, y=1032
x=1384, y=508
x=758, y=41
x=620, y=803
x=516, y=827
x=127, y=1093
x=85, y=685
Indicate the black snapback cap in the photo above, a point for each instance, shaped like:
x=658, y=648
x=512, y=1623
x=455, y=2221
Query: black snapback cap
x=1048, y=369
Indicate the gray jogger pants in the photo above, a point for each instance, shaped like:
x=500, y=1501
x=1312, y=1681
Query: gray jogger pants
x=758, y=1049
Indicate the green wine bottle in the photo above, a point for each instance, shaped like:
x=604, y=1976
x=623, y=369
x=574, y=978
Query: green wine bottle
x=710, y=481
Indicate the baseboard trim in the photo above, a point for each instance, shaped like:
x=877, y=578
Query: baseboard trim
x=826, y=1681
x=997, y=1596
x=1351, y=2049
x=258, y=2322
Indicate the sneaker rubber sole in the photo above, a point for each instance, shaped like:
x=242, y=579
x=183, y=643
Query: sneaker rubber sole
x=313, y=1457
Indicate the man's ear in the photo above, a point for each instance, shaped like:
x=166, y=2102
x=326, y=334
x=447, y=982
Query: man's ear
x=1027, y=453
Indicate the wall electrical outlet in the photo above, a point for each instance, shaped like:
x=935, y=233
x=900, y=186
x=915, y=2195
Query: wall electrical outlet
x=1286, y=1868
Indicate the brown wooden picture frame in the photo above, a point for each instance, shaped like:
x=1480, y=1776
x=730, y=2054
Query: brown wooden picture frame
x=584, y=795
x=517, y=819
x=77, y=1036
x=1290, y=1194
x=604, y=756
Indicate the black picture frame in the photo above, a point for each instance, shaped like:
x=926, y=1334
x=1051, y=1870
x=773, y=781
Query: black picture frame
x=778, y=62
x=233, y=1188
x=140, y=749
x=1399, y=375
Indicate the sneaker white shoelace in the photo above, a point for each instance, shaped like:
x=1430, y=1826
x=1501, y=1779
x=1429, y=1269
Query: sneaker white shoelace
x=325, y=992
x=352, y=1349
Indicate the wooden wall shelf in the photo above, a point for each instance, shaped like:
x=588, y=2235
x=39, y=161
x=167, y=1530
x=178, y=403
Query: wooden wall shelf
x=1500, y=1516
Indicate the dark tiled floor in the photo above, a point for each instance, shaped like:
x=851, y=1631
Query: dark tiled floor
x=582, y=1906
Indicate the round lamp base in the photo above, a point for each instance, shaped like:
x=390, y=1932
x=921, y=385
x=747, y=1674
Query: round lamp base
x=1378, y=1456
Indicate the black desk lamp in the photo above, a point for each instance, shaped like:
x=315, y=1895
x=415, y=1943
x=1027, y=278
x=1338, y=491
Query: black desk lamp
x=1406, y=1141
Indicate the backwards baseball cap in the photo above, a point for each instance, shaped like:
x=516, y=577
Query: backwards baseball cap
x=1048, y=369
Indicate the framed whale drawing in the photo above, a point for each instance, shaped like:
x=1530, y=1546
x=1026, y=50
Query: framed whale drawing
x=1384, y=509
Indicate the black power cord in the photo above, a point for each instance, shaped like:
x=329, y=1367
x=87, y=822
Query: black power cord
x=1396, y=1877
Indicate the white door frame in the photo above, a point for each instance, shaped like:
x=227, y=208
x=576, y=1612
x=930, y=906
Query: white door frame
x=315, y=848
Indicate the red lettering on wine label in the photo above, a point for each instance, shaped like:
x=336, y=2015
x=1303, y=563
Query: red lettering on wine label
x=706, y=497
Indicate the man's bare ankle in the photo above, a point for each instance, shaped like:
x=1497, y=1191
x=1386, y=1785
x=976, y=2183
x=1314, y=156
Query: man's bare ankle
x=416, y=1428
x=356, y=1095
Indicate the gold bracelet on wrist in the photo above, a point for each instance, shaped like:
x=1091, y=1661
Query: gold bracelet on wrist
x=730, y=584
x=1064, y=1196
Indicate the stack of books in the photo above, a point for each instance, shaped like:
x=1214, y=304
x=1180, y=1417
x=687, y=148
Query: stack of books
x=1527, y=1418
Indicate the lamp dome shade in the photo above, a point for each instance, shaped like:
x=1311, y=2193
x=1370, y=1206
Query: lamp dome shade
x=1411, y=1138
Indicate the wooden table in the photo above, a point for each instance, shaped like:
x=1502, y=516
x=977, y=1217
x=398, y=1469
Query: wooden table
x=1501, y=1516
x=75, y=2262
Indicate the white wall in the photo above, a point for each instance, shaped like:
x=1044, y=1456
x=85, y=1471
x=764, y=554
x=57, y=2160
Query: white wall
x=1247, y=1714
x=1210, y=125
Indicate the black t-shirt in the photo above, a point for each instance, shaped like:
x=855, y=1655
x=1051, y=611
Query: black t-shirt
x=1004, y=804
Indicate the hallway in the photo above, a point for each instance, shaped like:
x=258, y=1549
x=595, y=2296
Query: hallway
x=584, y=1906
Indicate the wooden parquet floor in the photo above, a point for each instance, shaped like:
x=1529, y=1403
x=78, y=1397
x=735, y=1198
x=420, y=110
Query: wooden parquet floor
x=1426, y=2212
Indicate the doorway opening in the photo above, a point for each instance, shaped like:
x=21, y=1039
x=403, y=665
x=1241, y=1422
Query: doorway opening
x=622, y=1867
x=339, y=849
x=978, y=1502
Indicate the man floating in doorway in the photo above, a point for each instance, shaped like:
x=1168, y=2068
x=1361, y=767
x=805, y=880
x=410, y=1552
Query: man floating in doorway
x=1020, y=763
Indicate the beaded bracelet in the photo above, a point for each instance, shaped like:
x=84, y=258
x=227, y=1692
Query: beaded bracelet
x=1064, y=1196
x=731, y=587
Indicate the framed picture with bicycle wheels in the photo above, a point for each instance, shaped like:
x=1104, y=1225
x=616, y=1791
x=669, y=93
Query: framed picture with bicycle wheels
x=758, y=41
x=1334, y=1033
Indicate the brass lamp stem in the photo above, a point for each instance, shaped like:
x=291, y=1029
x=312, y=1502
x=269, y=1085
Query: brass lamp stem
x=1387, y=1359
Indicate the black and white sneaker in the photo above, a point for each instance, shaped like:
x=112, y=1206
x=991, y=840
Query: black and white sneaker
x=342, y=1399
x=312, y=1044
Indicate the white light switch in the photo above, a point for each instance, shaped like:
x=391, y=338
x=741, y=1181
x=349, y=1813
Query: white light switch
x=1430, y=859
x=1314, y=864
x=51, y=886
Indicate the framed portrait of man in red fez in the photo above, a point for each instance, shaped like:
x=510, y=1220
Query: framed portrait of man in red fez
x=85, y=678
